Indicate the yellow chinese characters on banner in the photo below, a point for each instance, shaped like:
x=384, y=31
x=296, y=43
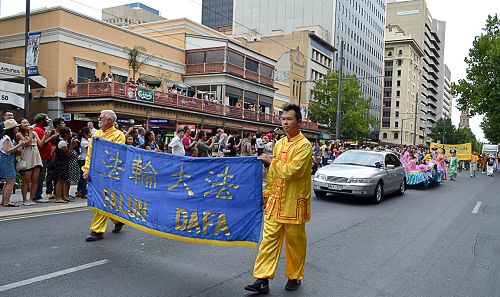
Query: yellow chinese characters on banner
x=464, y=150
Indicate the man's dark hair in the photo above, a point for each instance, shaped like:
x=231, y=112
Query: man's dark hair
x=201, y=134
x=246, y=134
x=6, y=111
x=186, y=128
x=180, y=130
x=294, y=107
x=233, y=131
x=57, y=121
x=258, y=135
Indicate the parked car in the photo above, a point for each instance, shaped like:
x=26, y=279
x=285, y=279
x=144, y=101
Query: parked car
x=370, y=174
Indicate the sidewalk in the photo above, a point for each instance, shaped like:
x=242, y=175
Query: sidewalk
x=39, y=208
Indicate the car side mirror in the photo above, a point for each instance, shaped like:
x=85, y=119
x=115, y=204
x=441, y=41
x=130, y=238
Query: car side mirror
x=390, y=166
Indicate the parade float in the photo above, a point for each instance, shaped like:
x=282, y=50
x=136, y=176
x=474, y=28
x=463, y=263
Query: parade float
x=424, y=174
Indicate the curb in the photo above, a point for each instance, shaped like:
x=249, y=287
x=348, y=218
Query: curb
x=74, y=206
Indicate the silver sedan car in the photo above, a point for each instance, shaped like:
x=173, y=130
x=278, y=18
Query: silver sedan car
x=368, y=174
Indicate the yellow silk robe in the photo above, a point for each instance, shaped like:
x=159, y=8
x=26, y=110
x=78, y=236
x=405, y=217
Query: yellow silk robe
x=112, y=134
x=288, y=189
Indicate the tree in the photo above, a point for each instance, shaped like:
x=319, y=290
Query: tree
x=355, y=121
x=444, y=131
x=135, y=63
x=480, y=91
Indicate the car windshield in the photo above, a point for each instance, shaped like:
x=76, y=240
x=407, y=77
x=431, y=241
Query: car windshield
x=359, y=158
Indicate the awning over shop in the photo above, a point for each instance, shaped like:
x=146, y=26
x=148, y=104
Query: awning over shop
x=11, y=100
x=178, y=84
x=151, y=80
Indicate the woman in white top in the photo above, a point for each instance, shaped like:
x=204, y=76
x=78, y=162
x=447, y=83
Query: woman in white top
x=31, y=162
x=85, y=135
x=8, y=150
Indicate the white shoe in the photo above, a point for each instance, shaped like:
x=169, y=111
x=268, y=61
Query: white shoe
x=43, y=200
x=49, y=196
x=26, y=203
x=32, y=202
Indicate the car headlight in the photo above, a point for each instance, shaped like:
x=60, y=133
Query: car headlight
x=320, y=176
x=359, y=180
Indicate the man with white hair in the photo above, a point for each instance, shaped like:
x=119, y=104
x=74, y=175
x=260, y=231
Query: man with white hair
x=108, y=132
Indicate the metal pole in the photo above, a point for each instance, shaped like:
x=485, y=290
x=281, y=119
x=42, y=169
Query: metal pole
x=415, y=121
x=444, y=132
x=26, y=79
x=401, y=136
x=339, y=98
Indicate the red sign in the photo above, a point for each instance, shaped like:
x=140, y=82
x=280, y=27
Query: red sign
x=192, y=127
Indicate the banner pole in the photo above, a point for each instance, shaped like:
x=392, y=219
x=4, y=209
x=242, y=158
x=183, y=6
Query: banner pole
x=26, y=78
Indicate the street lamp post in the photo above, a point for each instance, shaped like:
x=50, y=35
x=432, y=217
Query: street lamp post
x=339, y=98
x=26, y=78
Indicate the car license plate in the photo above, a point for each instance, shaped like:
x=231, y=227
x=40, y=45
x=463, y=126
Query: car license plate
x=335, y=187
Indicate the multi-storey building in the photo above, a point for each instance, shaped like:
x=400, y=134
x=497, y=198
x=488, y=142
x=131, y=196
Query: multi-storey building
x=401, y=118
x=130, y=14
x=359, y=24
x=217, y=14
x=447, y=97
x=415, y=19
x=303, y=58
x=179, y=90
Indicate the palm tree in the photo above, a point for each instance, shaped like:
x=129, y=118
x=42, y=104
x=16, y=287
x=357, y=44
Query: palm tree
x=134, y=63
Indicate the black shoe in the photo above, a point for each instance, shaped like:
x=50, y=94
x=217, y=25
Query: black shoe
x=261, y=285
x=94, y=237
x=118, y=227
x=292, y=285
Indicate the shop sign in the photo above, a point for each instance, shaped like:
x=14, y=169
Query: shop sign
x=10, y=69
x=66, y=117
x=125, y=121
x=250, y=127
x=11, y=99
x=155, y=121
x=82, y=117
x=192, y=127
x=130, y=91
x=145, y=95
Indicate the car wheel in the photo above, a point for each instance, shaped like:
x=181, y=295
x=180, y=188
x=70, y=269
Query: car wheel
x=379, y=192
x=319, y=194
x=402, y=188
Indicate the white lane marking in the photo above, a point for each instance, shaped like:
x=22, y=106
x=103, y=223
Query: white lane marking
x=51, y=275
x=27, y=216
x=476, y=208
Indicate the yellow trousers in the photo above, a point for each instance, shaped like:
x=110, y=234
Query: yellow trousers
x=100, y=223
x=270, y=250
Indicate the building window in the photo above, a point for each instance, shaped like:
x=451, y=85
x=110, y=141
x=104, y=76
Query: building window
x=397, y=114
x=384, y=135
x=398, y=83
x=235, y=59
x=388, y=73
x=400, y=62
x=396, y=124
x=85, y=74
x=215, y=56
x=397, y=103
x=398, y=93
x=389, y=54
x=396, y=135
x=266, y=70
x=386, y=114
x=386, y=124
x=252, y=65
x=399, y=72
x=196, y=58
x=400, y=52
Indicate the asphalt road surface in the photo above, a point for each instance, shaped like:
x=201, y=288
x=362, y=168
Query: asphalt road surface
x=443, y=241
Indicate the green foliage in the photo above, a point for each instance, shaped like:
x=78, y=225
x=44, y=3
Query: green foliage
x=134, y=62
x=480, y=91
x=445, y=132
x=355, y=121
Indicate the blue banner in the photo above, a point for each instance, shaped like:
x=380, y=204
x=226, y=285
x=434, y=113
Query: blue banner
x=202, y=200
x=32, y=53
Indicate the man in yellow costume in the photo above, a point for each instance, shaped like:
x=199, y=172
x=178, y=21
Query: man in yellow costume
x=287, y=200
x=108, y=132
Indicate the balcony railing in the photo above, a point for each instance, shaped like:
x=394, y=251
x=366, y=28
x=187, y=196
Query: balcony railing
x=124, y=91
x=230, y=68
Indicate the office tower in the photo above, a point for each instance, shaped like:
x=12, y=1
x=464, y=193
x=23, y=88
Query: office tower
x=358, y=23
x=217, y=14
x=415, y=19
x=130, y=14
x=447, y=97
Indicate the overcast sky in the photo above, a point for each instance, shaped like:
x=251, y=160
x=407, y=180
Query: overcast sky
x=464, y=20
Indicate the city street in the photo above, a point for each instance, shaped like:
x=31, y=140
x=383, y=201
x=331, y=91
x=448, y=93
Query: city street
x=442, y=241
